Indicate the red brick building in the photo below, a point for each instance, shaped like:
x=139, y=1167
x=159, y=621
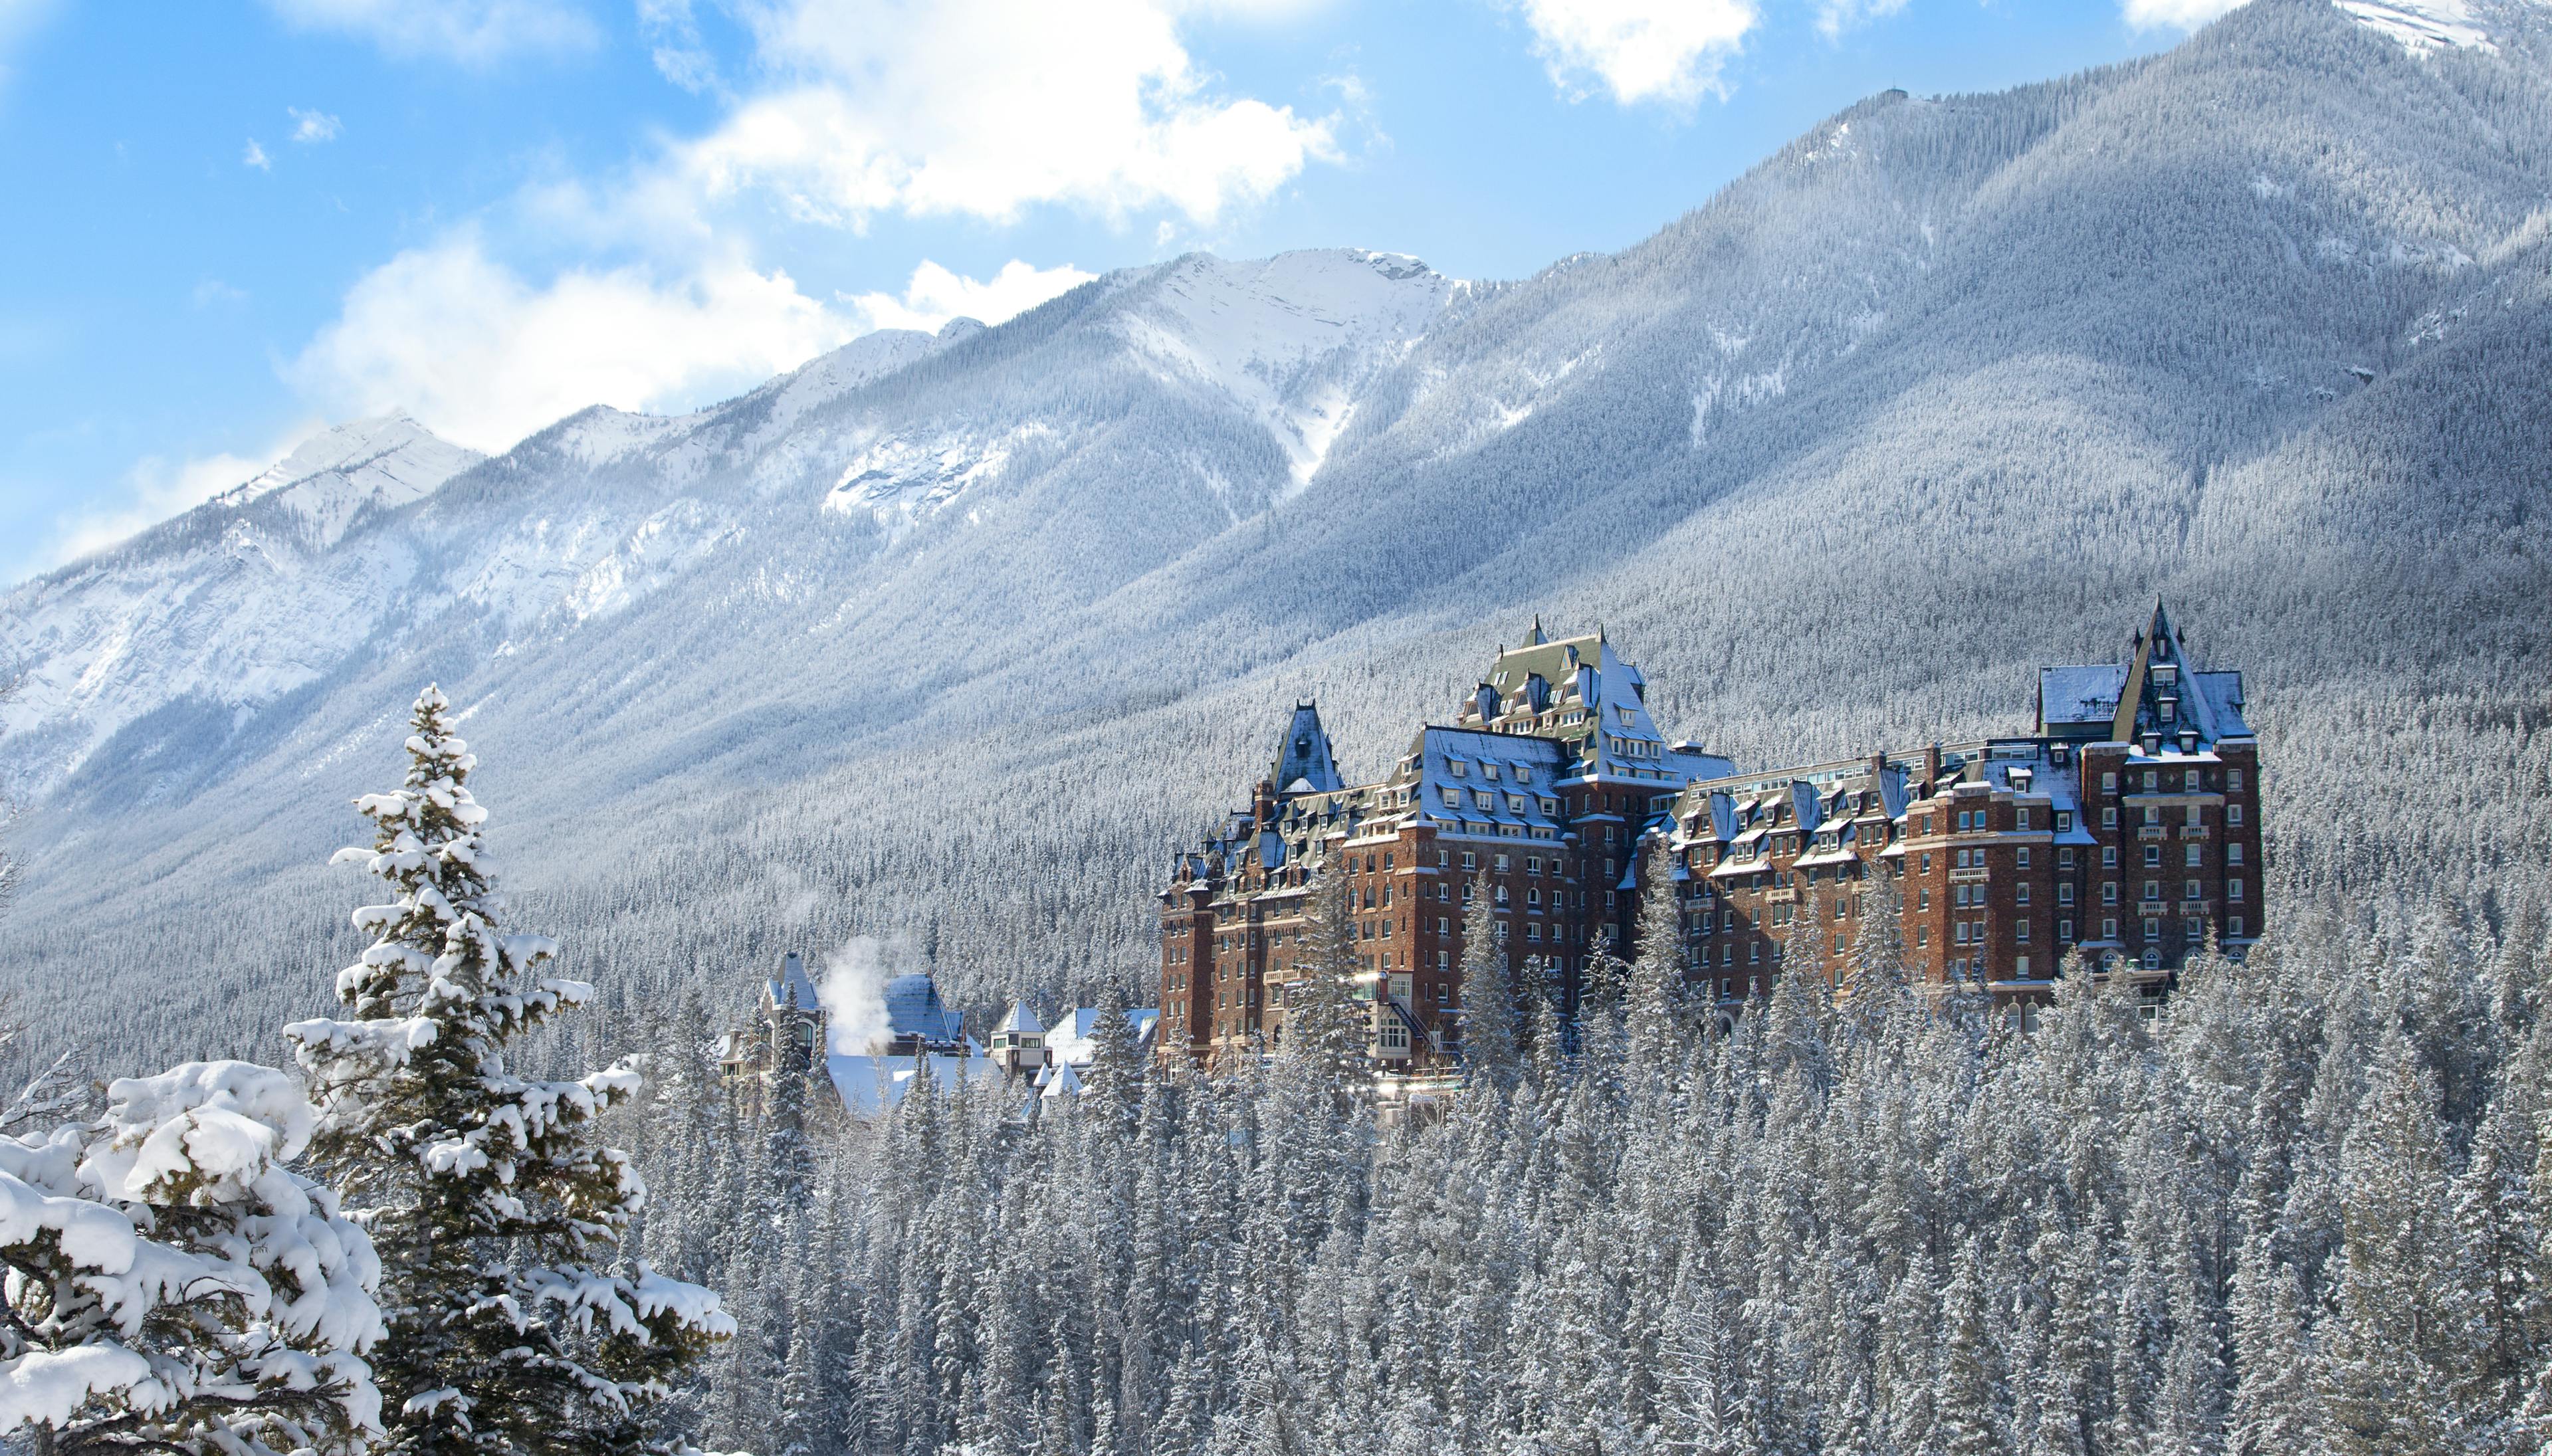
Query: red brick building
x=2125, y=826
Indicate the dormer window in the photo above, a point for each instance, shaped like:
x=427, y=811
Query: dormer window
x=1489, y=771
x=1460, y=768
x=1524, y=774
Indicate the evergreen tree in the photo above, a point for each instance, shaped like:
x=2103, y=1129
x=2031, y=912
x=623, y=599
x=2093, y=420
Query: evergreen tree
x=495, y=1210
x=173, y=1288
x=1656, y=992
x=1489, y=1047
x=1327, y=1023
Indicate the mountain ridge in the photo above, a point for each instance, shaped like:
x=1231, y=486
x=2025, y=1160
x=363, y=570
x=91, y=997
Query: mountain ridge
x=1945, y=388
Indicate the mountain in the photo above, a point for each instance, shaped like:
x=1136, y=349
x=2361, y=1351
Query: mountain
x=954, y=637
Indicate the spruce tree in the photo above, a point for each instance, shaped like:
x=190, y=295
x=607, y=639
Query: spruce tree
x=514, y=1328
x=1328, y=1026
x=173, y=1288
x=1488, y=993
x=1656, y=1008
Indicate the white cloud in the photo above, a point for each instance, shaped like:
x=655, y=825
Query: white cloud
x=474, y=31
x=255, y=157
x=211, y=290
x=934, y=295
x=312, y=127
x=2178, y=14
x=1664, y=51
x=485, y=357
x=987, y=107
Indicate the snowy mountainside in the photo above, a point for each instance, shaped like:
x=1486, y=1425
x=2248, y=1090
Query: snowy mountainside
x=955, y=647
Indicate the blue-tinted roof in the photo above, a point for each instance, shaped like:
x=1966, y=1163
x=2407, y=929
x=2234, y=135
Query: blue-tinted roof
x=2083, y=695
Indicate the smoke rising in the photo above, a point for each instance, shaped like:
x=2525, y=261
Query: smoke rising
x=853, y=990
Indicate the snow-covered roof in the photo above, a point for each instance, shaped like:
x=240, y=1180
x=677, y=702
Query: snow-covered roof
x=2078, y=695
x=1064, y=1082
x=1075, y=1036
x=791, y=988
x=1504, y=779
x=872, y=1085
x=913, y=1010
x=1303, y=761
x=1019, y=1023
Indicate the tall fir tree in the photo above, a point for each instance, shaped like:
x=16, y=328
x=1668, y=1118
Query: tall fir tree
x=1328, y=1021
x=514, y=1326
x=1489, y=1041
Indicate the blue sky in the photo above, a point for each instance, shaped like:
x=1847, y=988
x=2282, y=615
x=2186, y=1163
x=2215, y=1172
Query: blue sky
x=236, y=223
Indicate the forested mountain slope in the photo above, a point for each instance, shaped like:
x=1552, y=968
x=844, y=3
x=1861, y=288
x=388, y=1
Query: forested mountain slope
x=955, y=636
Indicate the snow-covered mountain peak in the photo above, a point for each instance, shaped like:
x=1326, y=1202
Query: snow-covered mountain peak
x=330, y=477
x=1290, y=338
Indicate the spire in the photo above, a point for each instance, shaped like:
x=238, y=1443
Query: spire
x=1305, y=763
x=1534, y=637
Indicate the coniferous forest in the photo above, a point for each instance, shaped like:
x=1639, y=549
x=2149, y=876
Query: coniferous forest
x=955, y=642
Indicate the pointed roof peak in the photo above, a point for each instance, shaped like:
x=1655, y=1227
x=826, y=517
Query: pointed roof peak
x=1533, y=637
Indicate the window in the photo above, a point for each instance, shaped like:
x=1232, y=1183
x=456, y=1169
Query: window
x=2232, y=889
x=1460, y=768
x=2153, y=930
x=1484, y=799
x=2153, y=889
x=1959, y=933
x=1453, y=799
x=2196, y=814
x=2020, y=818
x=1533, y=931
x=1523, y=772
x=2232, y=781
x=1754, y=953
x=2064, y=821
x=2108, y=857
x=2232, y=815
x=2065, y=930
x=2109, y=929
x=1927, y=862
x=2109, y=892
x=1922, y=935
x=2232, y=854
x=2021, y=857
x=1727, y=955
x=2020, y=894
x=2065, y=893
x=1444, y=925
x=2189, y=891
x=1470, y=861
x=1922, y=899
x=2233, y=925
x=1489, y=771
x=1963, y=821
x=2153, y=813
x=2109, y=817
x=2153, y=780
x=1533, y=865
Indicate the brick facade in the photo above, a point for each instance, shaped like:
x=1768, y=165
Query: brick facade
x=2125, y=826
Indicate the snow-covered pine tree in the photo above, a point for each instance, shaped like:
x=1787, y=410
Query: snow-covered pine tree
x=513, y=1326
x=1488, y=994
x=174, y=1289
x=1656, y=1008
x=1327, y=1024
x=1875, y=969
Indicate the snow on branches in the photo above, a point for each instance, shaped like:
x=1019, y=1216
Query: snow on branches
x=172, y=1285
x=516, y=1325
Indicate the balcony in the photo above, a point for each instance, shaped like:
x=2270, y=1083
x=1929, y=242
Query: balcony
x=2153, y=831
